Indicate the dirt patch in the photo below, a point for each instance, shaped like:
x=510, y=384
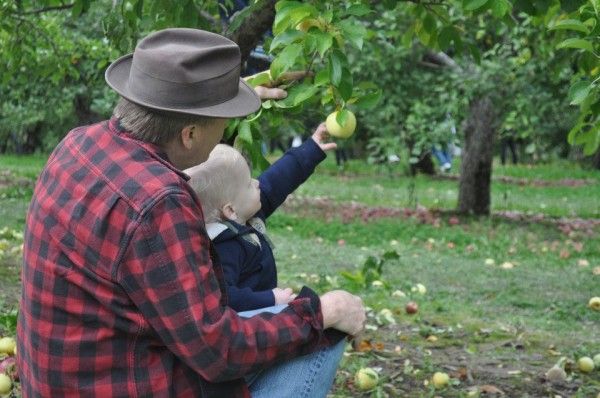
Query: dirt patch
x=325, y=208
x=505, y=367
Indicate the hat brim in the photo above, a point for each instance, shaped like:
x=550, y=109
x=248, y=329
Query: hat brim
x=244, y=103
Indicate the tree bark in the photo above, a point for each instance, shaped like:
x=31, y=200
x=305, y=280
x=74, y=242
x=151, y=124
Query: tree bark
x=476, y=166
x=255, y=25
x=82, y=105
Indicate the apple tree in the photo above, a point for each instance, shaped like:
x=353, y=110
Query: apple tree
x=346, y=52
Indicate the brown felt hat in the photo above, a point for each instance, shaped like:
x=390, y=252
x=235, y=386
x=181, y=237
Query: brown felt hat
x=188, y=71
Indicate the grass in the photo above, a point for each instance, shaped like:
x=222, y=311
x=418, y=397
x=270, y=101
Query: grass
x=505, y=326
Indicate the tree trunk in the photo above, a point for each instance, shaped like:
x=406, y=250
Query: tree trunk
x=596, y=160
x=476, y=166
x=83, y=110
x=255, y=25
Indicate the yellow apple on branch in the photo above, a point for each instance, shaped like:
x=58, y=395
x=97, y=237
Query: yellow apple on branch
x=341, y=128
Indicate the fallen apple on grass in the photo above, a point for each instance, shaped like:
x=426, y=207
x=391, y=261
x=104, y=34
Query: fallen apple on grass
x=440, y=379
x=7, y=345
x=594, y=303
x=585, y=364
x=366, y=379
x=411, y=307
x=597, y=360
x=344, y=130
x=5, y=384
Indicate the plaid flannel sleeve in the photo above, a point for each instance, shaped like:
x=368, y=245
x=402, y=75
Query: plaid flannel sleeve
x=168, y=274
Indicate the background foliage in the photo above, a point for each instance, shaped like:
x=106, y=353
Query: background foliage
x=424, y=60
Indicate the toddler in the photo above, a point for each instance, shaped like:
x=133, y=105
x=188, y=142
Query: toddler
x=235, y=208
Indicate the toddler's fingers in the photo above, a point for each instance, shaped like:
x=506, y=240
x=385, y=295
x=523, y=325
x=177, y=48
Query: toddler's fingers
x=329, y=146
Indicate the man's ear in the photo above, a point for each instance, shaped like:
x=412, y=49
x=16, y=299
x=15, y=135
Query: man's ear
x=187, y=136
x=229, y=212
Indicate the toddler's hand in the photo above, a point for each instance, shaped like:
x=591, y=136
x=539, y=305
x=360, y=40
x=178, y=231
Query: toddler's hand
x=283, y=296
x=320, y=136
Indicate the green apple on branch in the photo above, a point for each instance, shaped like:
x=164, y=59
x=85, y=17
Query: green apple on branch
x=341, y=124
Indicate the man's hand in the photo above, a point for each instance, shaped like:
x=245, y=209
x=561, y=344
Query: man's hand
x=270, y=90
x=266, y=93
x=320, y=136
x=283, y=296
x=343, y=311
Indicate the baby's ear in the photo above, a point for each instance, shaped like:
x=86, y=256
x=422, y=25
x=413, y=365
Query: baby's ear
x=229, y=212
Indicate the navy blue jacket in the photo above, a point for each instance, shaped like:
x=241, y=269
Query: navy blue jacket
x=250, y=271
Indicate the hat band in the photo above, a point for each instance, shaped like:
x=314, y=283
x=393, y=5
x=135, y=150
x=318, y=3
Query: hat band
x=183, y=95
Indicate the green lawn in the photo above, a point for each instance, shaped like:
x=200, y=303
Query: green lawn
x=505, y=298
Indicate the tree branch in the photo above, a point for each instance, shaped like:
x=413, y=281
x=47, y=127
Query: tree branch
x=441, y=59
x=254, y=26
x=47, y=9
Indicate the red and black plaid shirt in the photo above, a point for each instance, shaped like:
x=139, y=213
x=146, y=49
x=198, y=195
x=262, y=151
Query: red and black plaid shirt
x=120, y=295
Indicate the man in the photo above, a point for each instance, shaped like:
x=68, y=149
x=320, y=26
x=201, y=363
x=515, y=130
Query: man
x=122, y=293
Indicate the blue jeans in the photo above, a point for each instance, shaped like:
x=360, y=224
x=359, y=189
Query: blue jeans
x=442, y=155
x=308, y=376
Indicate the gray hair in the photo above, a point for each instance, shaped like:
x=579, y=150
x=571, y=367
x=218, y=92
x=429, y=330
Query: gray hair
x=217, y=181
x=154, y=127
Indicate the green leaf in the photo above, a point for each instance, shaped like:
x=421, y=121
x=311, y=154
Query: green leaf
x=296, y=95
x=358, y=9
x=300, y=93
x=259, y=79
x=244, y=132
x=322, y=77
x=570, y=24
x=574, y=131
x=354, y=32
x=571, y=5
x=429, y=23
x=336, y=62
x=138, y=8
x=500, y=8
x=285, y=38
x=285, y=60
x=77, y=8
x=368, y=101
x=190, y=14
x=446, y=35
x=579, y=91
x=346, y=84
x=472, y=5
x=577, y=43
x=341, y=117
x=407, y=37
x=289, y=15
x=593, y=141
x=323, y=41
x=475, y=53
x=596, y=4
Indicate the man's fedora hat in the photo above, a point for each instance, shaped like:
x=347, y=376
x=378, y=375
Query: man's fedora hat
x=187, y=71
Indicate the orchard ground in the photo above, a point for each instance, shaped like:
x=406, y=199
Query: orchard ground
x=505, y=297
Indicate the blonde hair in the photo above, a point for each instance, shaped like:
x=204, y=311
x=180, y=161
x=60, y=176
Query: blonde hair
x=218, y=180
